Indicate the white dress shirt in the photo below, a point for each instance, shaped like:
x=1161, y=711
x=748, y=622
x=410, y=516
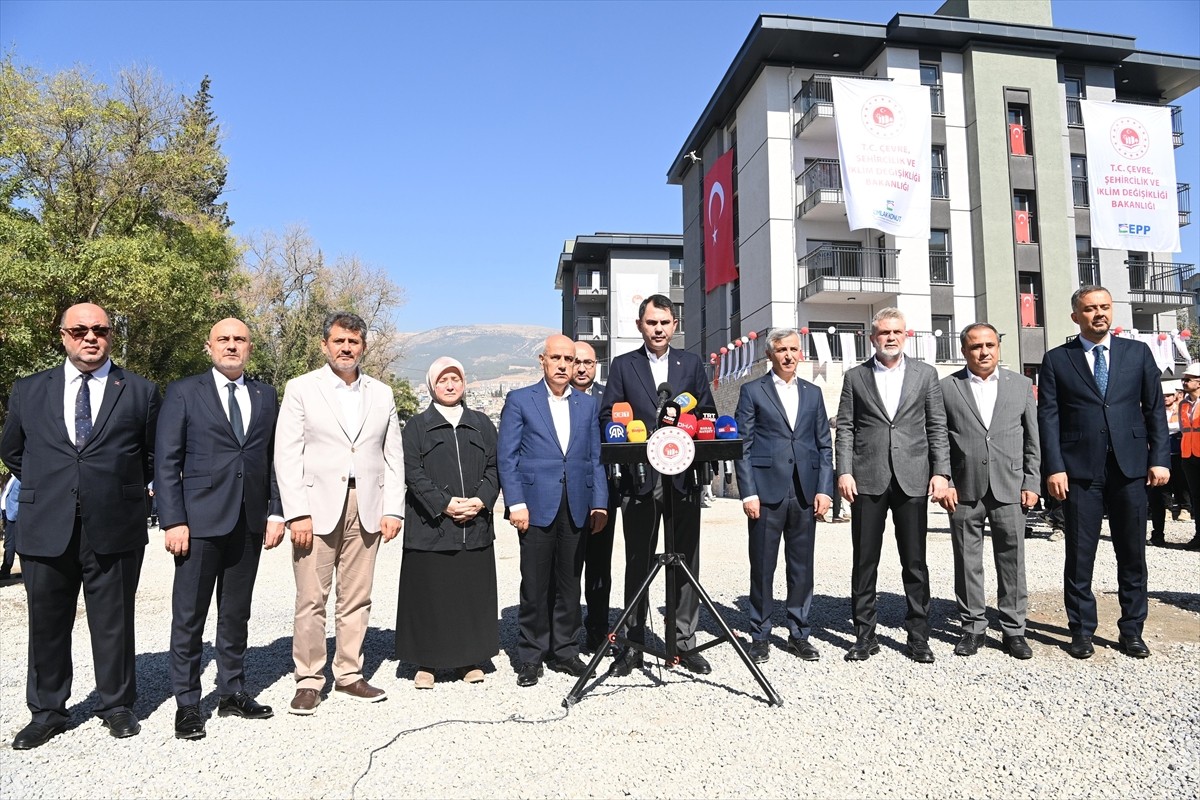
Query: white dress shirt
x=560, y=415
x=789, y=396
x=98, y=381
x=889, y=382
x=241, y=393
x=349, y=396
x=659, y=366
x=1089, y=352
x=984, y=390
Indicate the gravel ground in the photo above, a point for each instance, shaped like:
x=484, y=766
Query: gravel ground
x=987, y=726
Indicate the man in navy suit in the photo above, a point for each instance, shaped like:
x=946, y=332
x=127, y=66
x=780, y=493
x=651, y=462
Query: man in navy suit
x=1104, y=440
x=786, y=481
x=548, y=455
x=215, y=485
x=634, y=378
x=80, y=437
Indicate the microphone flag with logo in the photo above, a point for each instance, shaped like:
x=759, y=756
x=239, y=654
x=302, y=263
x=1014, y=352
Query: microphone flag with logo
x=668, y=415
x=686, y=401
x=688, y=424
x=706, y=430
x=727, y=428
x=635, y=431
x=707, y=412
x=622, y=413
x=615, y=432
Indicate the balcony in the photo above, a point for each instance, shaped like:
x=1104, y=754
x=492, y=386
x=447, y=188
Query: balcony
x=1075, y=117
x=1183, y=191
x=1079, y=192
x=936, y=106
x=1089, y=271
x=821, y=189
x=1074, y=113
x=590, y=290
x=590, y=329
x=939, y=187
x=941, y=267
x=1156, y=287
x=815, y=106
x=841, y=273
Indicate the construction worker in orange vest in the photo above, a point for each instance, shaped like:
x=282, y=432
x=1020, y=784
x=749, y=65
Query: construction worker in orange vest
x=1189, y=446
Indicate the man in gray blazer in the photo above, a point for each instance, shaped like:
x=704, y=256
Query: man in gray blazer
x=891, y=453
x=995, y=471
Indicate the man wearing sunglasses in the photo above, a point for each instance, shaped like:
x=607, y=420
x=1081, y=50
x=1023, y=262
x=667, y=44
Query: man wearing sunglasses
x=80, y=437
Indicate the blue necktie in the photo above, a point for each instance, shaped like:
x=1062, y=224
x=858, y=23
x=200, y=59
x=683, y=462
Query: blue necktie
x=83, y=412
x=235, y=415
x=1101, y=367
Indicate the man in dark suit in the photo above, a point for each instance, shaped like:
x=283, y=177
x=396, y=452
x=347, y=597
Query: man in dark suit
x=786, y=481
x=1104, y=440
x=634, y=378
x=597, y=560
x=995, y=469
x=891, y=453
x=215, y=487
x=80, y=437
x=548, y=455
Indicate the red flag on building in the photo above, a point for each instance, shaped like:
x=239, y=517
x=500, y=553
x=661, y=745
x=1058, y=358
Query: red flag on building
x=719, y=268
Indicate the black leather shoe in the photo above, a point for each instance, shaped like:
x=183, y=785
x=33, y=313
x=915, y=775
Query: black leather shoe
x=803, y=649
x=759, y=651
x=189, y=723
x=528, y=674
x=918, y=650
x=36, y=734
x=969, y=644
x=863, y=648
x=240, y=704
x=1134, y=647
x=1081, y=646
x=694, y=662
x=1017, y=647
x=122, y=724
x=626, y=662
x=573, y=666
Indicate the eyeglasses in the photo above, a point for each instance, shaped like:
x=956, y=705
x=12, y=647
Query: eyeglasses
x=587, y=362
x=80, y=331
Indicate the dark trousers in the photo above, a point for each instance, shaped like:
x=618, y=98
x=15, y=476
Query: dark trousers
x=1125, y=499
x=52, y=584
x=793, y=521
x=548, y=618
x=641, y=515
x=229, y=564
x=1191, y=475
x=10, y=544
x=866, y=533
x=597, y=573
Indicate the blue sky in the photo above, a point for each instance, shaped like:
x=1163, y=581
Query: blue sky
x=457, y=144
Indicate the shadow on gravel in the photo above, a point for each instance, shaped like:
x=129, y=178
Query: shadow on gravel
x=1188, y=601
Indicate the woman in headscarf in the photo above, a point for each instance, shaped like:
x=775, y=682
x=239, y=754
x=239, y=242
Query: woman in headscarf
x=446, y=616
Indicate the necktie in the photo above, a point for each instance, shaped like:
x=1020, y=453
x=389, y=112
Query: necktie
x=1101, y=367
x=235, y=415
x=83, y=412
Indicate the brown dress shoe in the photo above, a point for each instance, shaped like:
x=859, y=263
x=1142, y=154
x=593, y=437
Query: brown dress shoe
x=362, y=691
x=305, y=702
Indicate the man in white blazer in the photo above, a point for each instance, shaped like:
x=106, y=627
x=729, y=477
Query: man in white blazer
x=340, y=468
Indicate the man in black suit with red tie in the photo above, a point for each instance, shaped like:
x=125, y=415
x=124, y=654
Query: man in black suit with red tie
x=1104, y=440
x=80, y=437
x=215, y=486
x=634, y=378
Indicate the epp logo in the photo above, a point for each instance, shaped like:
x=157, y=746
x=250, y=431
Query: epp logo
x=1126, y=229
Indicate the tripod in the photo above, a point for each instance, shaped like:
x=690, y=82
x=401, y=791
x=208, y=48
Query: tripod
x=676, y=569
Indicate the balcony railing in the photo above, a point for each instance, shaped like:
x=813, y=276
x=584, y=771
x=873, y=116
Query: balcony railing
x=815, y=90
x=591, y=328
x=1074, y=113
x=1176, y=118
x=846, y=261
x=941, y=267
x=940, y=186
x=820, y=182
x=1183, y=191
x=1157, y=276
x=936, y=107
x=1079, y=191
x=1089, y=272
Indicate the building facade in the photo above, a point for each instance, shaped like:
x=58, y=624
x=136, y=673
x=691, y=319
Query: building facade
x=1010, y=235
x=604, y=278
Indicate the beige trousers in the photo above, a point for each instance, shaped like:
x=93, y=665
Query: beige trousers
x=351, y=553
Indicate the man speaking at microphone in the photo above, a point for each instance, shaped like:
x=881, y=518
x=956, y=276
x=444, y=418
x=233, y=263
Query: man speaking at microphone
x=635, y=378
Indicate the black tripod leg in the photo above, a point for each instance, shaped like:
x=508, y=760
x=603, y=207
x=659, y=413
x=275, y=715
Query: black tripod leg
x=643, y=593
x=772, y=696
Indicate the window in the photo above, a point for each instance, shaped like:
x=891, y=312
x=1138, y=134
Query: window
x=931, y=76
x=1029, y=287
x=1019, y=142
x=1139, y=270
x=861, y=342
x=939, y=257
x=941, y=183
x=676, y=273
x=1074, y=89
x=678, y=307
x=1024, y=218
x=946, y=342
x=1089, y=265
x=1079, y=182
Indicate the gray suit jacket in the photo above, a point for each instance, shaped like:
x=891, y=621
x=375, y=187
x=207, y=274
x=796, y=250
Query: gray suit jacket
x=1005, y=456
x=874, y=449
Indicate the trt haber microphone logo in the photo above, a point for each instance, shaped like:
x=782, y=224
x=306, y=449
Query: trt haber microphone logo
x=1129, y=138
x=882, y=117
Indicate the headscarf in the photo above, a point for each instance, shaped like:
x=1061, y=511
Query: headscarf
x=440, y=366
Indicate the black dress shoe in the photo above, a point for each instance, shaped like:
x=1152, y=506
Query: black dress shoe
x=759, y=651
x=863, y=648
x=626, y=662
x=969, y=644
x=573, y=666
x=1081, y=646
x=1133, y=646
x=189, y=723
x=803, y=649
x=240, y=704
x=694, y=662
x=918, y=650
x=596, y=641
x=36, y=734
x=122, y=724
x=528, y=674
x=1017, y=647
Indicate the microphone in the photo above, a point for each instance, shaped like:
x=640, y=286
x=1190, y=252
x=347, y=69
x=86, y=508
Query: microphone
x=706, y=430
x=707, y=412
x=688, y=424
x=686, y=401
x=615, y=433
x=726, y=428
x=635, y=431
x=664, y=397
x=622, y=413
x=668, y=415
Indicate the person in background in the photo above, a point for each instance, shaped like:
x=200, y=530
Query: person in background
x=1160, y=497
x=835, y=512
x=446, y=610
x=9, y=506
x=1189, y=424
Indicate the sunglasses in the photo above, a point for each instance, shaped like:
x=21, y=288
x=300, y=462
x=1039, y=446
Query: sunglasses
x=80, y=331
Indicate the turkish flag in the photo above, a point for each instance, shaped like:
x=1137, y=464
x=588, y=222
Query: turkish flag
x=719, y=268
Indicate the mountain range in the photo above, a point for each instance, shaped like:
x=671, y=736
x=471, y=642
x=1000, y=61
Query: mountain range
x=487, y=352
